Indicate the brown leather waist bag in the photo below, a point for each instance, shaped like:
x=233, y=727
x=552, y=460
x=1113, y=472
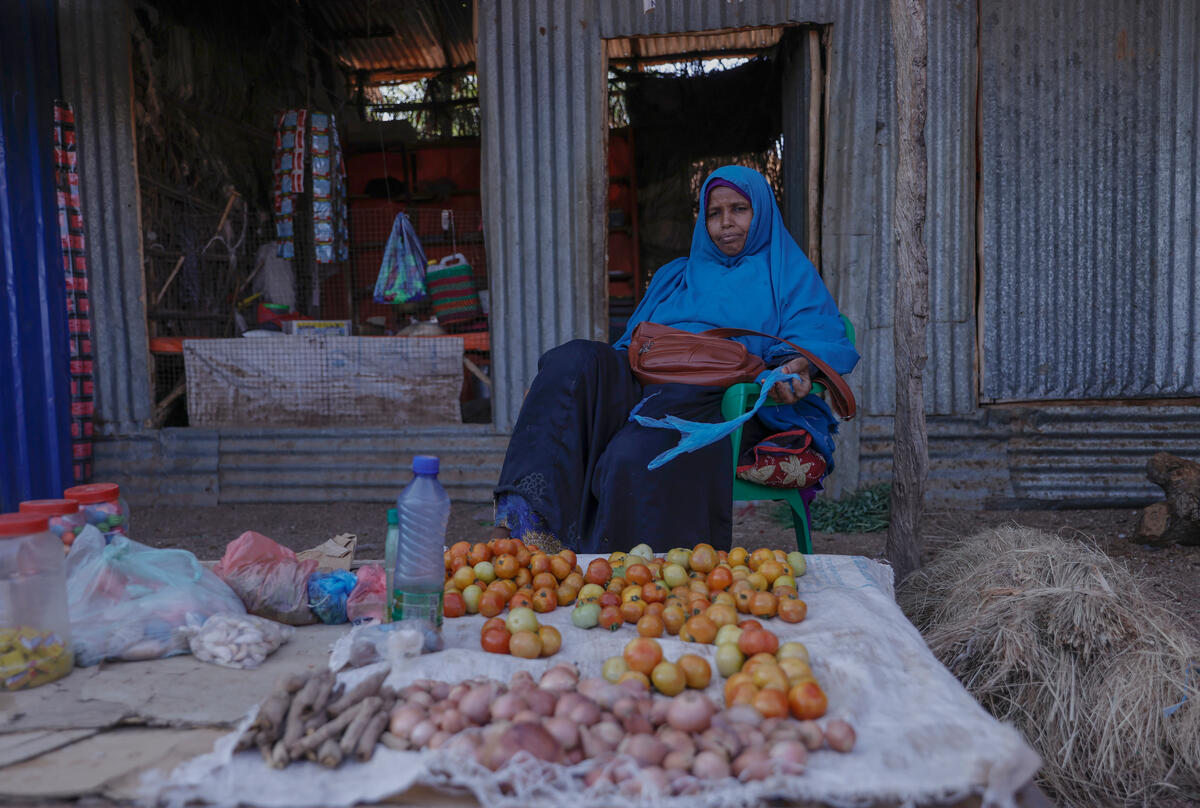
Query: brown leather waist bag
x=660, y=354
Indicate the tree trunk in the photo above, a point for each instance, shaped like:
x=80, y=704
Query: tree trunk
x=910, y=461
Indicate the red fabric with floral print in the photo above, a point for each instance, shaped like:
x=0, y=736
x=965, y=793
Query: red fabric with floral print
x=783, y=460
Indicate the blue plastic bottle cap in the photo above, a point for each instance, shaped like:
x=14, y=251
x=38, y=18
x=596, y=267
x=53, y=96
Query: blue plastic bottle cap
x=425, y=464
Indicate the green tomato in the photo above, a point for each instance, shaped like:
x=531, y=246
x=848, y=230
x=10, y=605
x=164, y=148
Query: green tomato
x=681, y=556
x=784, y=580
x=796, y=561
x=586, y=615
x=792, y=650
x=521, y=618
x=471, y=596
x=644, y=551
x=674, y=575
x=614, y=667
x=727, y=634
x=729, y=659
x=485, y=572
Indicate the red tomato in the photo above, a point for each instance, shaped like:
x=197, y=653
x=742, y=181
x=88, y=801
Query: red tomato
x=610, y=618
x=495, y=641
x=807, y=701
x=598, y=572
x=643, y=654
x=792, y=611
x=453, y=605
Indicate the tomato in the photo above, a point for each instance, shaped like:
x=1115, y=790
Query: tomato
x=792, y=611
x=727, y=634
x=559, y=567
x=539, y=563
x=491, y=603
x=586, y=615
x=565, y=594
x=479, y=552
x=495, y=641
x=463, y=577
x=742, y=694
x=614, y=668
x=650, y=626
x=701, y=629
x=635, y=676
x=732, y=683
x=638, y=574
x=697, y=606
x=656, y=609
x=771, y=703
x=785, y=592
x=719, y=579
x=674, y=575
x=704, y=558
x=795, y=670
x=673, y=619
x=698, y=586
x=721, y=615
x=807, y=701
x=453, y=605
x=543, y=579
x=757, y=641
x=610, y=599
x=742, y=598
x=457, y=560
x=525, y=644
x=523, y=555
x=545, y=600
x=500, y=546
x=610, y=618
x=729, y=659
x=632, y=611
x=696, y=670
x=763, y=604
x=460, y=547
x=569, y=555
x=749, y=623
x=770, y=677
x=551, y=640
x=598, y=572
x=654, y=592
x=795, y=650
x=575, y=579
x=725, y=598
x=522, y=600
x=471, y=596
x=615, y=584
x=771, y=570
x=642, y=654
x=668, y=678
x=736, y=557
x=590, y=593
x=758, y=557
x=505, y=565
x=631, y=592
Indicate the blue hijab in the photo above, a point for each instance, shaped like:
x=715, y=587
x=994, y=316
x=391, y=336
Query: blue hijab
x=769, y=286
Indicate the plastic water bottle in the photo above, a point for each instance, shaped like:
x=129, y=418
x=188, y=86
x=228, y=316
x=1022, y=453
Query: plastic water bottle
x=422, y=509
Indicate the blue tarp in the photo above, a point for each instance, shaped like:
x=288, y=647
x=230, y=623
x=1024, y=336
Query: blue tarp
x=35, y=447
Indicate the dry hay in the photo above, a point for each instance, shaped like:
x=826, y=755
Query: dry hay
x=1058, y=639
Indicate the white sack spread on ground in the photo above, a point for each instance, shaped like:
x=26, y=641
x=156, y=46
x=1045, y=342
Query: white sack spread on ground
x=921, y=737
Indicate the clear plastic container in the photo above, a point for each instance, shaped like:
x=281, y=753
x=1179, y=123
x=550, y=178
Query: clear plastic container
x=102, y=506
x=389, y=554
x=62, y=514
x=35, y=628
x=423, y=509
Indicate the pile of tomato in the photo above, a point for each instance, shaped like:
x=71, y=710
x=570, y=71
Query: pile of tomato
x=486, y=578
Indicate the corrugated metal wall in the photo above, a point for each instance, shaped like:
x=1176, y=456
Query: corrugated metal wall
x=94, y=44
x=544, y=125
x=35, y=446
x=1091, y=194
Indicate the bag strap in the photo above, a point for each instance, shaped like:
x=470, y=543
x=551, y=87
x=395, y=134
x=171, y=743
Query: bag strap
x=842, y=398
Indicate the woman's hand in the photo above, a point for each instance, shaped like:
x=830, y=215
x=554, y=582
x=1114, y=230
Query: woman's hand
x=789, y=391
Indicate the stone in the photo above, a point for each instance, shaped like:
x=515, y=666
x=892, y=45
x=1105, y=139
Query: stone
x=1152, y=524
x=1180, y=480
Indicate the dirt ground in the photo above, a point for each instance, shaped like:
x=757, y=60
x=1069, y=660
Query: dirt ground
x=1173, y=573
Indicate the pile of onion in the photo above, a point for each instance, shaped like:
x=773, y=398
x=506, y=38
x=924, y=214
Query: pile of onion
x=637, y=742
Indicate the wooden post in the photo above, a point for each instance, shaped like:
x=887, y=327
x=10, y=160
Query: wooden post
x=910, y=460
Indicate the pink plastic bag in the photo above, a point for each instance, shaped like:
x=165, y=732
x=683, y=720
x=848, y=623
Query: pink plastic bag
x=369, y=598
x=268, y=578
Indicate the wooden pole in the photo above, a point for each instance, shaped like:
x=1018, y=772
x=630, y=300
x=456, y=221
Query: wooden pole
x=910, y=460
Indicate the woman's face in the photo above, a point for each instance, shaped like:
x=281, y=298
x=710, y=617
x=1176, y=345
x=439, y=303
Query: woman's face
x=728, y=216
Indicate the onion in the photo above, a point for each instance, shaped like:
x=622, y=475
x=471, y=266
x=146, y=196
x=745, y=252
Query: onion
x=574, y=756
x=563, y=730
x=422, y=732
x=748, y=736
x=440, y=691
x=521, y=680
x=541, y=701
x=635, y=686
x=650, y=780
x=601, y=691
x=440, y=737
x=710, y=765
x=791, y=754
x=752, y=765
x=404, y=718
x=476, y=705
x=599, y=773
x=424, y=684
x=525, y=736
x=840, y=735
x=658, y=711
x=637, y=724
x=645, y=749
x=743, y=714
x=625, y=706
x=451, y=721
x=679, y=760
x=767, y=725
x=600, y=739
x=506, y=706
x=458, y=691
x=690, y=712
x=585, y=713
x=722, y=741
x=560, y=677
x=526, y=715
x=810, y=735
x=419, y=697
x=683, y=783
x=676, y=739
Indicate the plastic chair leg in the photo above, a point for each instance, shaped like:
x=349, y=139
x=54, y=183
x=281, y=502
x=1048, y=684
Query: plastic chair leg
x=800, y=524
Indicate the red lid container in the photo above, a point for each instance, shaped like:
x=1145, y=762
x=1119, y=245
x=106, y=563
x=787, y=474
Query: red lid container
x=22, y=524
x=49, y=507
x=92, y=493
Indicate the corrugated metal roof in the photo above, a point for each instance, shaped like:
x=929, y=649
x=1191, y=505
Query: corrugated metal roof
x=392, y=38
x=1091, y=197
x=650, y=48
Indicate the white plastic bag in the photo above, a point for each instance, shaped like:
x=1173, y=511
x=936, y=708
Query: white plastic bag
x=129, y=601
x=237, y=640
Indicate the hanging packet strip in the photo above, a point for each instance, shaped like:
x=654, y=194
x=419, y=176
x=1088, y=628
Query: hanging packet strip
x=697, y=434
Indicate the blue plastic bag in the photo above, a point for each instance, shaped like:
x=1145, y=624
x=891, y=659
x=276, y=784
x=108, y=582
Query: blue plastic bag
x=328, y=593
x=402, y=271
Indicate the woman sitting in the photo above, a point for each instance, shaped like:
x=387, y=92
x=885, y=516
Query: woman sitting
x=575, y=472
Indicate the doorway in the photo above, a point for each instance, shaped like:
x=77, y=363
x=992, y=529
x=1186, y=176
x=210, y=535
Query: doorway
x=681, y=106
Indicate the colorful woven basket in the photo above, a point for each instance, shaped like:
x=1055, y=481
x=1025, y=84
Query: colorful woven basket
x=451, y=286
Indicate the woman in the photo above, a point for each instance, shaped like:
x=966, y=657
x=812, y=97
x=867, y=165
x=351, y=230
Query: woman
x=575, y=472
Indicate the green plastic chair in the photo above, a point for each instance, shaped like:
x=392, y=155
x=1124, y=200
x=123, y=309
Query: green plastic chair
x=740, y=398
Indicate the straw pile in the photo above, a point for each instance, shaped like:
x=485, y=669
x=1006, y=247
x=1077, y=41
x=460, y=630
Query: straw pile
x=1059, y=640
